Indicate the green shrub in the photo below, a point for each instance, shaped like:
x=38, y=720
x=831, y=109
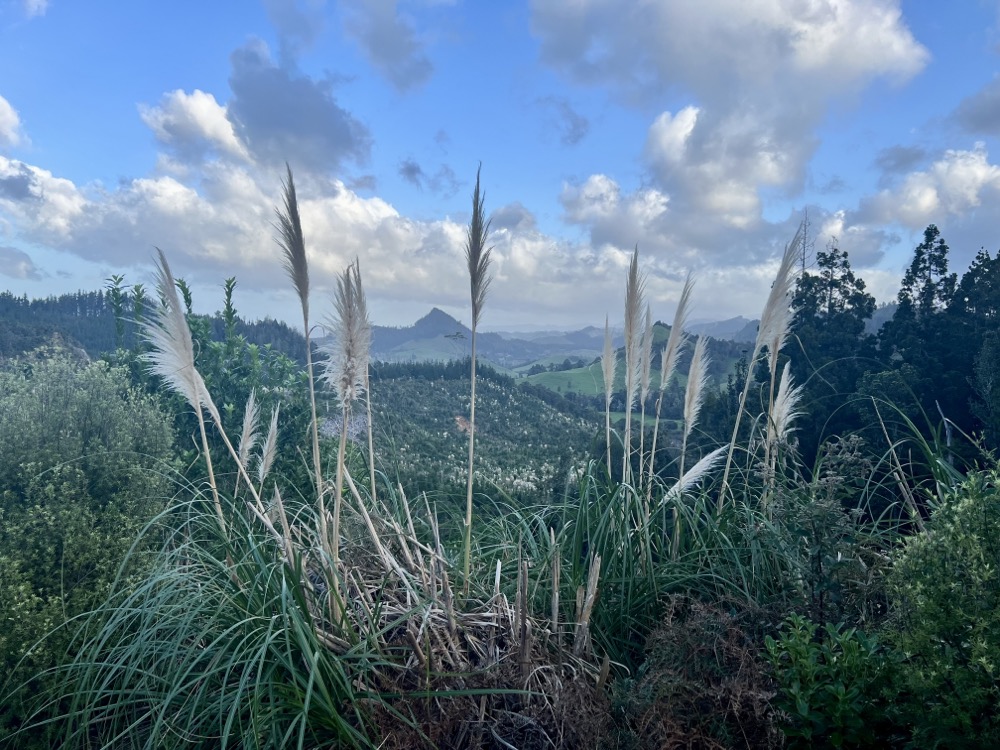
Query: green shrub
x=81, y=472
x=829, y=681
x=946, y=587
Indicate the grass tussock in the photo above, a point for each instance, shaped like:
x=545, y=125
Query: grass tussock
x=622, y=614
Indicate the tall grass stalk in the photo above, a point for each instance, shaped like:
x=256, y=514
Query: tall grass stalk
x=633, y=347
x=171, y=356
x=609, y=366
x=249, y=435
x=292, y=242
x=345, y=370
x=668, y=364
x=645, y=377
x=694, y=395
x=773, y=329
x=477, y=256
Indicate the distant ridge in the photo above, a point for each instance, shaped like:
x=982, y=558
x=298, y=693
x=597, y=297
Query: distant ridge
x=732, y=329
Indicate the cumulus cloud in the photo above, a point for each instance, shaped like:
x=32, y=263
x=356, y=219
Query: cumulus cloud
x=191, y=124
x=17, y=264
x=281, y=115
x=896, y=160
x=298, y=25
x=217, y=222
x=11, y=132
x=719, y=47
x=759, y=77
x=953, y=185
x=980, y=112
x=46, y=205
x=389, y=41
x=513, y=216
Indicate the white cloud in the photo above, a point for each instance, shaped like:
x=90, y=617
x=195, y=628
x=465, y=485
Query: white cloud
x=192, y=123
x=33, y=8
x=46, y=205
x=390, y=41
x=11, y=132
x=953, y=185
x=17, y=264
x=668, y=136
x=721, y=47
x=757, y=77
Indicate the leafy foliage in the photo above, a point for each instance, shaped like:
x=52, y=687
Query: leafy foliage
x=82, y=471
x=946, y=585
x=830, y=680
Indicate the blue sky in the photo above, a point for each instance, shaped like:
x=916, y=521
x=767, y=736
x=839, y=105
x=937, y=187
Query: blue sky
x=700, y=132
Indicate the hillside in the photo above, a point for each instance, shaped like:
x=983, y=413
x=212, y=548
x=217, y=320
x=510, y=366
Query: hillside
x=525, y=447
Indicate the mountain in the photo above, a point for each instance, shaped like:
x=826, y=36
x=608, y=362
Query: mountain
x=439, y=336
x=733, y=329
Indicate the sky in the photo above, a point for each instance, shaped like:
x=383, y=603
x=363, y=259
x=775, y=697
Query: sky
x=702, y=133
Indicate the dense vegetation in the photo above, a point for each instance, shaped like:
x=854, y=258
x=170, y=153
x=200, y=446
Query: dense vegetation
x=789, y=543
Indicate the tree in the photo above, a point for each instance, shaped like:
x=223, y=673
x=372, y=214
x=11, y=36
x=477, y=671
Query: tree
x=831, y=306
x=923, y=334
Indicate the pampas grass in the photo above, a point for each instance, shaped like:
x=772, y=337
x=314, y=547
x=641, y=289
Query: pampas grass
x=345, y=370
x=171, y=356
x=609, y=364
x=249, y=434
x=477, y=256
x=645, y=376
x=292, y=242
x=633, y=344
x=694, y=396
x=668, y=363
x=785, y=408
x=775, y=322
x=268, y=449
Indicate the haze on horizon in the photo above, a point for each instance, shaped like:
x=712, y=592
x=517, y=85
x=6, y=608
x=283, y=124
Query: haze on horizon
x=701, y=133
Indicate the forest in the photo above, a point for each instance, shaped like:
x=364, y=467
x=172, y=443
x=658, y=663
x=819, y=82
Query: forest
x=214, y=532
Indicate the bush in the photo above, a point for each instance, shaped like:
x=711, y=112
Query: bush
x=703, y=684
x=946, y=587
x=81, y=472
x=829, y=681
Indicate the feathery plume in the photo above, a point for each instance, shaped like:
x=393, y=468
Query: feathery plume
x=646, y=357
x=668, y=359
x=668, y=363
x=645, y=376
x=695, y=474
x=694, y=394
x=777, y=316
x=775, y=322
x=171, y=354
x=293, y=244
x=477, y=254
x=249, y=433
x=269, y=448
x=785, y=407
x=609, y=365
x=346, y=370
x=633, y=314
x=346, y=365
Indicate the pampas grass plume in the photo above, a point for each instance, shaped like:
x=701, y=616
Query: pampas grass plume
x=171, y=354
